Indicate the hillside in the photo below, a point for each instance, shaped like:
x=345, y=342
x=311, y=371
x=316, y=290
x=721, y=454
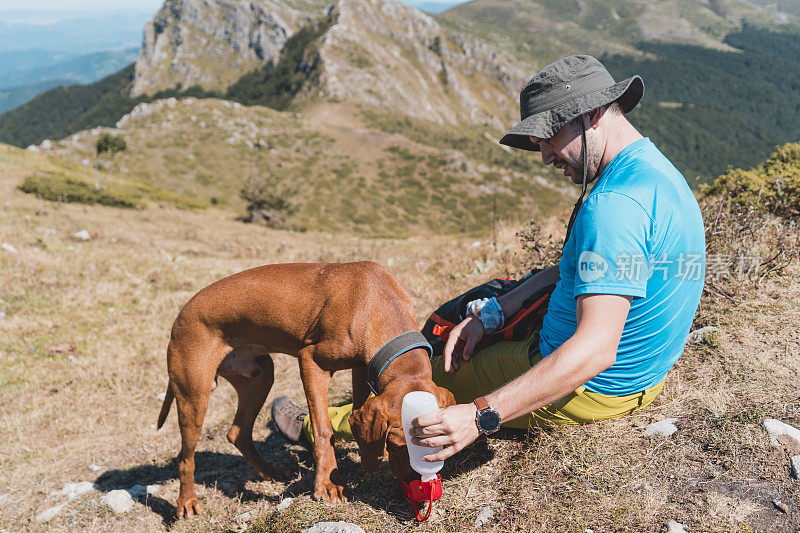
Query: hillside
x=343, y=167
x=709, y=67
x=84, y=326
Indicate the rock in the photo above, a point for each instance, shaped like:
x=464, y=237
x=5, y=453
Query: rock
x=244, y=517
x=285, y=503
x=95, y=468
x=74, y=490
x=153, y=490
x=664, y=428
x=675, y=527
x=119, y=501
x=334, y=527
x=161, y=396
x=82, y=235
x=137, y=491
x=781, y=506
x=776, y=427
x=796, y=466
x=8, y=248
x=49, y=514
x=485, y=516
x=700, y=335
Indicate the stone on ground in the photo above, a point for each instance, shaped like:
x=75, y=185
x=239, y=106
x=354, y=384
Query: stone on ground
x=137, y=491
x=286, y=502
x=49, y=514
x=74, y=490
x=796, y=466
x=663, y=428
x=675, y=527
x=334, y=527
x=485, y=516
x=700, y=335
x=776, y=428
x=82, y=235
x=119, y=501
x=8, y=248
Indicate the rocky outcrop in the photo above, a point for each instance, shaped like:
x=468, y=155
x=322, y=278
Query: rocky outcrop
x=375, y=52
x=211, y=43
x=384, y=53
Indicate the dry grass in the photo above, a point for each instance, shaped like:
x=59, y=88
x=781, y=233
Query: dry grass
x=115, y=296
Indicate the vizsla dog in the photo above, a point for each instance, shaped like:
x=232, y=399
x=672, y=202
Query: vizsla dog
x=331, y=317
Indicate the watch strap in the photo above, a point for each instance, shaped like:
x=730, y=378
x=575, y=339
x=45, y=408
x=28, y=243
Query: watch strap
x=481, y=403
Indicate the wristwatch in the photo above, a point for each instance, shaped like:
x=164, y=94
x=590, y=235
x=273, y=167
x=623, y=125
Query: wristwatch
x=487, y=419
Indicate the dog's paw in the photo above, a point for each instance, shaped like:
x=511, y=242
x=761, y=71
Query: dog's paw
x=189, y=507
x=331, y=493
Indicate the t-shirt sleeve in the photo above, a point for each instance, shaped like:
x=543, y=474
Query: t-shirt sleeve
x=612, y=246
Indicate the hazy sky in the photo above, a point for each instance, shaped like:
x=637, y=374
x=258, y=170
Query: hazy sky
x=105, y=5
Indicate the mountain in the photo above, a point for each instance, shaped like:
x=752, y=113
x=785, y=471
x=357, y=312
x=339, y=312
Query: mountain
x=378, y=52
x=703, y=62
x=16, y=96
x=77, y=69
x=722, y=77
x=337, y=165
x=537, y=32
x=24, y=84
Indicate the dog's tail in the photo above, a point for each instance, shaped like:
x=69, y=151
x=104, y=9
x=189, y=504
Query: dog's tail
x=165, y=406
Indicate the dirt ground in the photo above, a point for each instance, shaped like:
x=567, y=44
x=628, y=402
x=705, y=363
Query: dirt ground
x=83, y=336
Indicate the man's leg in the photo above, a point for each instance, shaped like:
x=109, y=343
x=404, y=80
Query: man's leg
x=492, y=367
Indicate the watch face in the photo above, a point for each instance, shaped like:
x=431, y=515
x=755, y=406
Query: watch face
x=489, y=420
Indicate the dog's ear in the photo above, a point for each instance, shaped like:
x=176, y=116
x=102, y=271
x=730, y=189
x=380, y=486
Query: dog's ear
x=370, y=426
x=444, y=397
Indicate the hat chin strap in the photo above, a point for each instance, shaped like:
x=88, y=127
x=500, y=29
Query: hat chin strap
x=584, y=181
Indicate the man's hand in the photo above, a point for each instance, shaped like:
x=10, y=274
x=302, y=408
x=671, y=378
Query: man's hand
x=452, y=427
x=461, y=342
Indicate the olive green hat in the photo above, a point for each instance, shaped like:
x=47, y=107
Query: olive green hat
x=563, y=91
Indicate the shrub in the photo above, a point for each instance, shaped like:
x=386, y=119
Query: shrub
x=111, y=144
x=773, y=186
x=66, y=189
x=268, y=200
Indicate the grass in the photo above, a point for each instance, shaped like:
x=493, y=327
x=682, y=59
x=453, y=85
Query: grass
x=349, y=174
x=116, y=295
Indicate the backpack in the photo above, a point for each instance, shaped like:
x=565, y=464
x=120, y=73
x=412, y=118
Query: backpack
x=522, y=324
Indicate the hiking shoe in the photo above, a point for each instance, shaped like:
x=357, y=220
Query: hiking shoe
x=288, y=418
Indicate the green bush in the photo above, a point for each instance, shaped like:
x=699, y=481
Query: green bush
x=110, y=144
x=773, y=186
x=66, y=189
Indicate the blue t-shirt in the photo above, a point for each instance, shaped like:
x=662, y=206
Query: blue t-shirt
x=639, y=233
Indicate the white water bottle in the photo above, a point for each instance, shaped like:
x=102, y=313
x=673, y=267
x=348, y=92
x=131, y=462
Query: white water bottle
x=418, y=403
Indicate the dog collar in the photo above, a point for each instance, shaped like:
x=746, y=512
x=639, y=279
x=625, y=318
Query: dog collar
x=392, y=350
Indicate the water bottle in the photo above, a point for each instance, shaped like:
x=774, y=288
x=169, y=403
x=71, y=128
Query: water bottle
x=418, y=403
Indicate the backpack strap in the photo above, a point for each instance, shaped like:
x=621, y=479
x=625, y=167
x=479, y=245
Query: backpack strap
x=392, y=350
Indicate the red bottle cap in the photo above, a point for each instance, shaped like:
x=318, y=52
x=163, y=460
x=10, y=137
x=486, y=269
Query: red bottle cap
x=423, y=491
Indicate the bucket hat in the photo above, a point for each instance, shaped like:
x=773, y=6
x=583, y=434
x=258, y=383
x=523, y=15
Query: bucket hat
x=563, y=91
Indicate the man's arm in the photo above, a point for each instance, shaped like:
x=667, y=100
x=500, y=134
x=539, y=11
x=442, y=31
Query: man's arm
x=465, y=335
x=592, y=349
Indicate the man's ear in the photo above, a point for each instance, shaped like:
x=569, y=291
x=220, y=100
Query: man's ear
x=370, y=426
x=444, y=397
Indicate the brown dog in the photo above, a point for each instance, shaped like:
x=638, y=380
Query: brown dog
x=331, y=317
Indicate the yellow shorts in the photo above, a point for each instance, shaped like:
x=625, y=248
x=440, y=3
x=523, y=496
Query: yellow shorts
x=496, y=365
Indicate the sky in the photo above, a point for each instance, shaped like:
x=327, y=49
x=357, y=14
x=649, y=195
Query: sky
x=81, y=5
x=105, y=5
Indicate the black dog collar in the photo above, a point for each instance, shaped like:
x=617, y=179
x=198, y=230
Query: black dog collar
x=392, y=350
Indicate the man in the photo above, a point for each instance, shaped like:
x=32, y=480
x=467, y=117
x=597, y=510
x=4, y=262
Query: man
x=628, y=283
